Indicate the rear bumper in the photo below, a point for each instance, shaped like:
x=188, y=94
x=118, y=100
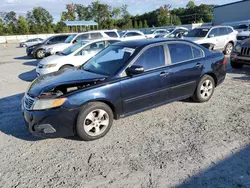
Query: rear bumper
x=51, y=123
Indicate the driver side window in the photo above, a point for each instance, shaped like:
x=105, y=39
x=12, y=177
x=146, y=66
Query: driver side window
x=152, y=58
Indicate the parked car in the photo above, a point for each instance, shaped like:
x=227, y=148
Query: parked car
x=123, y=79
x=73, y=56
x=38, y=50
x=132, y=35
x=74, y=38
x=30, y=42
x=241, y=54
x=223, y=37
x=154, y=32
x=177, y=32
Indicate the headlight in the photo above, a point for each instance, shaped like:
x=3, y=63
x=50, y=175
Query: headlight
x=46, y=66
x=237, y=48
x=43, y=104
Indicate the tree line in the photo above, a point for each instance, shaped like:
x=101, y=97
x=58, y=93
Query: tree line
x=39, y=20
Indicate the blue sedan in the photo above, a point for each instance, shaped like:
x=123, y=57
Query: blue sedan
x=123, y=79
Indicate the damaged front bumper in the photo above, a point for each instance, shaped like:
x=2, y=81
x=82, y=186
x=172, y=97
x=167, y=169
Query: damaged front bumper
x=51, y=123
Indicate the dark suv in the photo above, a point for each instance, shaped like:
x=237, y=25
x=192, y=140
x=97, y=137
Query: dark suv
x=37, y=50
x=123, y=79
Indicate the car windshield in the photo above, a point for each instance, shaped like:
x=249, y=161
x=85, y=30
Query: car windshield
x=198, y=32
x=72, y=48
x=70, y=38
x=109, y=61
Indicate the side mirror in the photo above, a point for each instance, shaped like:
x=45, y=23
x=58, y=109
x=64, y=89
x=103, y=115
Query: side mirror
x=75, y=41
x=211, y=36
x=134, y=69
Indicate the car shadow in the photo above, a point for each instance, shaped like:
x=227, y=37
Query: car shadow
x=244, y=73
x=28, y=76
x=31, y=63
x=233, y=171
x=12, y=122
x=23, y=58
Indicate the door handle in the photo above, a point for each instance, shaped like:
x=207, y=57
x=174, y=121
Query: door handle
x=199, y=65
x=164, y=74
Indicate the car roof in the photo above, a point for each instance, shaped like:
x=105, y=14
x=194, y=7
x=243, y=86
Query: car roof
x=145, y=42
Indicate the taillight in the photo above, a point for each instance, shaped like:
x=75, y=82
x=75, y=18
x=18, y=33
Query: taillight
x=224, y=61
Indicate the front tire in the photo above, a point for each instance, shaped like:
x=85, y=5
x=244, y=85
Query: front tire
x=228, y=48
x=236, y=65
x=204, y=90
x=94, y=121
x=40, y=54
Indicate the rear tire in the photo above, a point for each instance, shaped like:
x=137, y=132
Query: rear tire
x=204, y=90
x=236, y=65
x=94, y=121
x=228, y=48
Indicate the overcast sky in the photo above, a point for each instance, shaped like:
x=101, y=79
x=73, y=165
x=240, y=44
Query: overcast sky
x=55, y=7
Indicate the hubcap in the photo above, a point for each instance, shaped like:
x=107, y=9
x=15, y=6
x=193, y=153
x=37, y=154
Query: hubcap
x=229, y=49
x=40, y=53
x=96, y=122
x=206, y=89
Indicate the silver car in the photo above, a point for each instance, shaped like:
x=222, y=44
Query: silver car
x=30, y=42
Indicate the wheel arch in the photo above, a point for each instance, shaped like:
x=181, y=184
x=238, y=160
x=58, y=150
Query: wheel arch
x=213, y=76
x=68, y=64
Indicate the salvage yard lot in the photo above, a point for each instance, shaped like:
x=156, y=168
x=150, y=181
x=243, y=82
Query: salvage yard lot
x=183, y=144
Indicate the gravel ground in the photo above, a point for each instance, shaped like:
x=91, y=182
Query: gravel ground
x=183, y=144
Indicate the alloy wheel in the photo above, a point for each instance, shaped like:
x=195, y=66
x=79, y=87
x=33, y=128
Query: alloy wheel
x=96, y=122
x=206, y=89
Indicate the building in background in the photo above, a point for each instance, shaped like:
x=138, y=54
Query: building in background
x=232, y=12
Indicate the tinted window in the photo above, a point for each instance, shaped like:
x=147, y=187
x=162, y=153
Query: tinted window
x=223, y=31
x=180, y=52
x=132, y=34
x=95, y=35
x=70, y=38
x=196, y=52
x=73, y=48
x=214, y=32
x=111, y=34
x=152, y=58
x=55, y=39
x=82, y=37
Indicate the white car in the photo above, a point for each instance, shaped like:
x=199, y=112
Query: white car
x=73, y=56
x=74, y=38
x=173, y=32
x=153, y=32
x=132, y=35
x=222, y=37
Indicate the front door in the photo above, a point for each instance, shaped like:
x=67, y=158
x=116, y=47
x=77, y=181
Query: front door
x=149, y=88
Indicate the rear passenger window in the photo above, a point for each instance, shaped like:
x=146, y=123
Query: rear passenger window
x=196, y=52
x=111, y=34
x=180, y=52
x=152, y=58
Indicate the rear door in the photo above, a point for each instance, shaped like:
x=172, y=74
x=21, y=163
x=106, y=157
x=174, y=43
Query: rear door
x=149, y=88
x=186, y=66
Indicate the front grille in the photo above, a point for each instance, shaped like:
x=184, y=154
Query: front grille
x=245, y=51
x=242, y=37
x=28, y=102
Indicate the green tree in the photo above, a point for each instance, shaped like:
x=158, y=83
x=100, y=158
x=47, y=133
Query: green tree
x=1, y=27
x=82, y=12
x=145, y=25
x=10, y=21
x=140, y=24
x=60, y=27
x=40, y=20
x=22, y=25
x=175, y=20
x=135, y=24
x=163, y=16
x=190, y=5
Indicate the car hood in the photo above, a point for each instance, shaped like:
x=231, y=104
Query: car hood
x=244, y=33
x=53, y=59
x=246, y=42
x=50, y=81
